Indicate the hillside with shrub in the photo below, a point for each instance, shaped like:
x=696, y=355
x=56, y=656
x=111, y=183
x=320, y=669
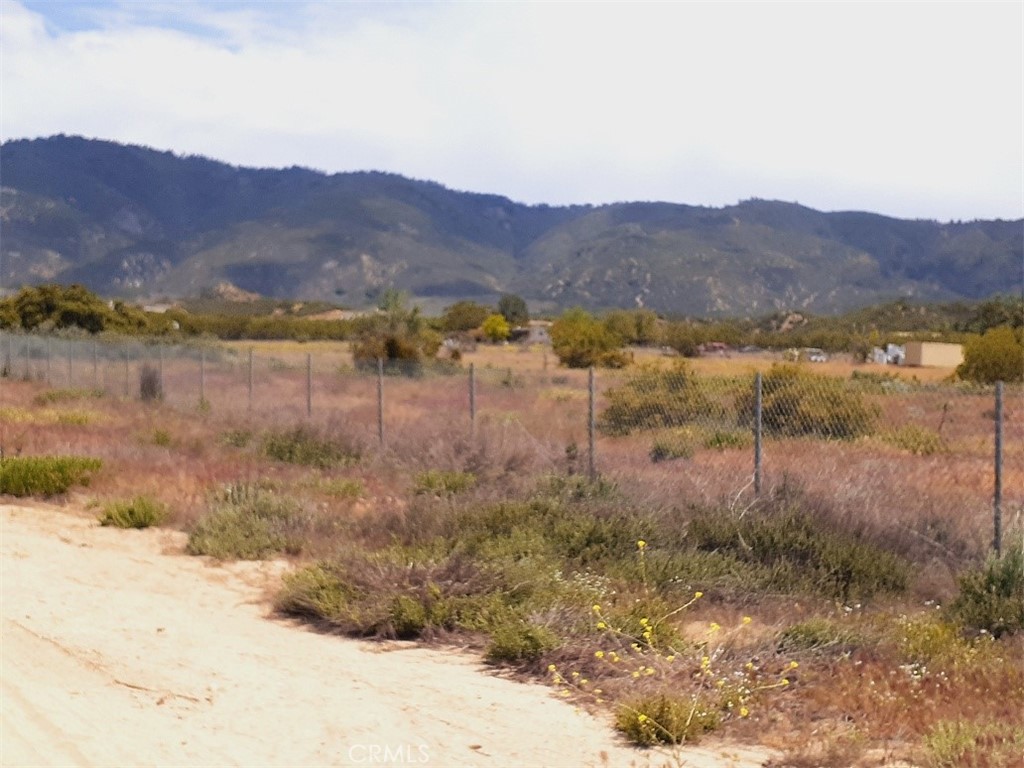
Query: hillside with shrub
x=132, y=222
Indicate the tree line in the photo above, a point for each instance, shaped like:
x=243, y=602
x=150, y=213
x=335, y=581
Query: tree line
x=398, y=331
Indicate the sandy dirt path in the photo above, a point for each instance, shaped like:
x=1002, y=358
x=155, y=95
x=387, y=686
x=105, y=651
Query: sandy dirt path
x=118, y=650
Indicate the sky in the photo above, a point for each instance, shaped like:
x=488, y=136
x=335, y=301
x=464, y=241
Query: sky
x=912, y=109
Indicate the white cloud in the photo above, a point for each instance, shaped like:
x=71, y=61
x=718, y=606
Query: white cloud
x=911, y=109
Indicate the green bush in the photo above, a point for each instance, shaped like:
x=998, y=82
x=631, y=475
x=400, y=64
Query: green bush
x=441, y=483
x=304, y=445
x=665, y=719
x=518, y=641
x=248, y=524
x=45, y=475
x=991, y=597
x=580, y=341
x=653, y=398
x=140, y=512
x=797, y=552
x=797, y=403
x=998, y=355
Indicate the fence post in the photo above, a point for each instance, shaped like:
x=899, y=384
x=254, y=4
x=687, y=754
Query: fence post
x=249, y=406
x=472, y=398
x=309, y=385
x=95, y=368
x=127, y=383
x=49, y=380
x=160, y=370
x=202, y=378
x=71, y=372
x=380, y=399
x=997, y=495
x=591, y=425
x=757, y=433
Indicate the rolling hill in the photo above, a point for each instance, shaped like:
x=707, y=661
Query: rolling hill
x=135, y=222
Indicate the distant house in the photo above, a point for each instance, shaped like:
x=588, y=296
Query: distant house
x=535, y=332
x=893, y=354
x=933, y=354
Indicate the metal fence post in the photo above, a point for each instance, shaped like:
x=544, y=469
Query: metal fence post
x=380, y=399
x=757, y=433
x=95, y=367
x=309, y=385
x=160, y=370
x=472, y=398
x=71, y=372
x=997, y=495
x=49, y=380
x=591, y=425
x=249, y=406
x=202, y=378
x=127, y=383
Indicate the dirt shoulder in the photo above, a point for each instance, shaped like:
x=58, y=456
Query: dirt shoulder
x=119, y=650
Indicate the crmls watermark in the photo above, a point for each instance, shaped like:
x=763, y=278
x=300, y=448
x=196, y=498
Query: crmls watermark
x=389, y=754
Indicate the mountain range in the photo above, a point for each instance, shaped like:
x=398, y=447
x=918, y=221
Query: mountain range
x=135, y=222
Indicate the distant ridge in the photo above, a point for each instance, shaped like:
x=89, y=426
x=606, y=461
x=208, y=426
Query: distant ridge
x=132, y=221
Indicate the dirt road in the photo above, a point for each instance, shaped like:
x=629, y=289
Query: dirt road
x=117, y=649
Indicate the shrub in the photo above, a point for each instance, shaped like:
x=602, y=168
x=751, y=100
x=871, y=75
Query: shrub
x=443, y=483
x=44, y=475
x=496, y=328
x=54, y=396
x=581, y=341
x=670, y=447
x=303, y=445
x=816, y=635
x=140, y=512
x=991, y=597
x=665, y=719
x=956, y=743
x=151, y=386
x=998, y=355
x=915, y=439
x=796, y=403
x=248, y=524
x=518, y=641
x=798, y=552
x=653, y=397
x=397, y=335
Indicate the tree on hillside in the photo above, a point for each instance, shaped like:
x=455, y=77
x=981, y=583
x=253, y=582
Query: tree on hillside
x=513, y=308
x=579, y=341
x=998, y=355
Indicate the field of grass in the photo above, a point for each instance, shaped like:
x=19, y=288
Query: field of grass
x=836, y=617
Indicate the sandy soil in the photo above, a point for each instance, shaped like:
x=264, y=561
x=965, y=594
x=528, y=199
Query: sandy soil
x=119, y=650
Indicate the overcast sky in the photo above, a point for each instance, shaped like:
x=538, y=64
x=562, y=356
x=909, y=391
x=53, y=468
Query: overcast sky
x=909, y=109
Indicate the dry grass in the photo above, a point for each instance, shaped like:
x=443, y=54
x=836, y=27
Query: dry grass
x=531, y=421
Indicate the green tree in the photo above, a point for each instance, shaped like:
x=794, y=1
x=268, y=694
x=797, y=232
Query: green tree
x=464, y=316
x=580, y=341
x=496, y=328
x=633, y=326
x=513, y=308
x=998, y=355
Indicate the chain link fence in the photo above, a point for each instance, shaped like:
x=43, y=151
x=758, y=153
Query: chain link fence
x=873, y=441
